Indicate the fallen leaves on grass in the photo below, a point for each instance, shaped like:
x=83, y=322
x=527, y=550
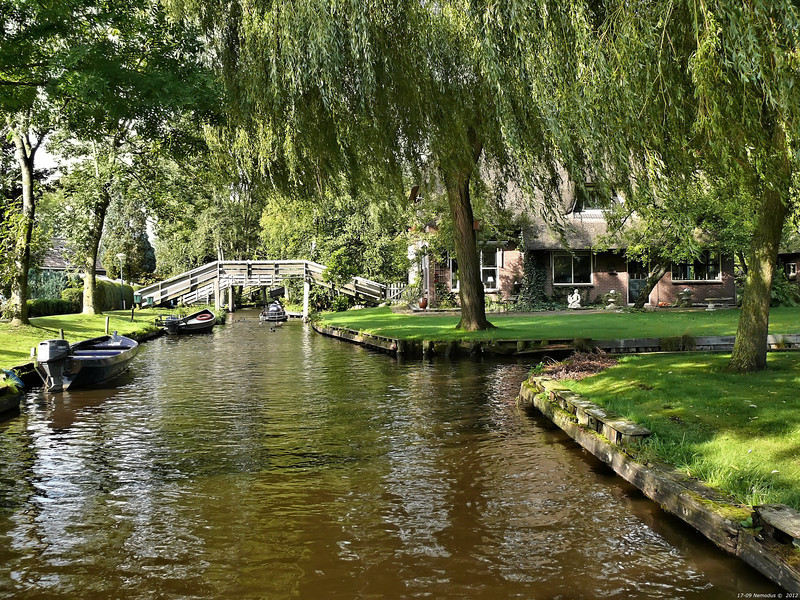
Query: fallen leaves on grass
x=580, y=365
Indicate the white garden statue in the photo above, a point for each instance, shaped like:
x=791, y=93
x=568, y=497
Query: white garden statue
x=613, y=300
x=574, y=300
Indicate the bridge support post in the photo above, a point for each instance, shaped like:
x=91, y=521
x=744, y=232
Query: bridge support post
x=217, y=296
x=306, y=290
x=231, y=307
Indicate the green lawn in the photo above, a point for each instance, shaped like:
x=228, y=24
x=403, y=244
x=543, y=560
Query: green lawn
x=559, y=325
x=738, y=433
x=16, y=342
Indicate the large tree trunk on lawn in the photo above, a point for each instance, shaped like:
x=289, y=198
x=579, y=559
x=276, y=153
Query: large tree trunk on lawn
x=471, y=294
x=656, y=273
x=90, y=277
x=25, y=151
x=750, y=348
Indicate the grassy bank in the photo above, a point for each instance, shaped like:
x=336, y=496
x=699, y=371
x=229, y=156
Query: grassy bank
x=16, y=342
x=738, y=433
x=549, y=325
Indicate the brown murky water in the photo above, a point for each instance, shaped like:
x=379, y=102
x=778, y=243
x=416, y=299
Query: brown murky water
x=259, y=464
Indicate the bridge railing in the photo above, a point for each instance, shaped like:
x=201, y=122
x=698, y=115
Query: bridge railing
x=205, y=281
x=178, y=286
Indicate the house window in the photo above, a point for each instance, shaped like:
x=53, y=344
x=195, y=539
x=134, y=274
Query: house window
x=489, y=270
x=571, y=268
x=489, y=273
x=454, y=274
x=706, y=267
x=589, y=199
x=790, y=268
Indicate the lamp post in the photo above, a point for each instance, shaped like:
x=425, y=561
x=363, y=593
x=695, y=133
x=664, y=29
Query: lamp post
x=121, y=258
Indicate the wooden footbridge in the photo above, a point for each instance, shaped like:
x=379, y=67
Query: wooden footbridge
x=208, y=283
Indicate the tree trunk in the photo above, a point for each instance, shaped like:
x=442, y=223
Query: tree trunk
x=656, y=273
x=22, y=252
x=90, y=276
x=750, y=348
x=471, y=293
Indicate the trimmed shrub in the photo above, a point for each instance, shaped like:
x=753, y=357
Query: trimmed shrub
x=44, y=307
x=106, y=296
x=75, y=296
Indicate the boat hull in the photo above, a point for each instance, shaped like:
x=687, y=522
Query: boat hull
x=200, y=322
x=89, y=363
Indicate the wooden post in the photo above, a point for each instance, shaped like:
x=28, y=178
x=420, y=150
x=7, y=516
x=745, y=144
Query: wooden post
x=306, y=291
x=217, y=294
x=108, y=319
x=231, y=307
x=61, y=331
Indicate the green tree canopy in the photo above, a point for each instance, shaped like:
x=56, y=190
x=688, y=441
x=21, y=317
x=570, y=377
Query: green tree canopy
x=681, y=91
x=409, y=91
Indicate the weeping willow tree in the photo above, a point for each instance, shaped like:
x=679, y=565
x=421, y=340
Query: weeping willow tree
x=397, y=90
x=703, y=89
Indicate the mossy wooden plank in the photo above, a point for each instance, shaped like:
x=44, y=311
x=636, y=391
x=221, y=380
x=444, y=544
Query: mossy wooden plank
x=780, y=517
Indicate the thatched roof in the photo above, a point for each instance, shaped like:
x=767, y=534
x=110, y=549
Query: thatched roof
x=583, y=231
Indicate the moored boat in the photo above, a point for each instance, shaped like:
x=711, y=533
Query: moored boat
x=273, y=313
x=200, y=322
x=64, y=366
x=11, y=388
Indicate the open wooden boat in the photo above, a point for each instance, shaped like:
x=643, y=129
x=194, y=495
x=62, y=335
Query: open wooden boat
x=85, y=364
x=200, y=322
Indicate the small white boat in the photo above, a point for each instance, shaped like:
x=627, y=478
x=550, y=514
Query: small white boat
x=273, y=313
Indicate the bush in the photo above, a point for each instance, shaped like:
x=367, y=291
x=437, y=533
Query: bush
x=340, y=303
x=75, y=296
x=532, y=294
x=106, y=296
x=46, y=284
x=44, y=307
x=784, y=292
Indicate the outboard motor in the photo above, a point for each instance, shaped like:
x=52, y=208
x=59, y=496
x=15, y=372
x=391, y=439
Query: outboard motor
x=52, y=356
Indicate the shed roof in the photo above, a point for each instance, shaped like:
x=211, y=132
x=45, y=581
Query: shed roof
x=56, y=258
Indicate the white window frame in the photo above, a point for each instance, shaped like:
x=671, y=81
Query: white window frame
x=457, y=286
x=495, y=268
x=790, y=268
x=717, y=279
x=572, y=259
x=591, y=188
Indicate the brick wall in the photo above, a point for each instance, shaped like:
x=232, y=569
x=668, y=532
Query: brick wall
x=610, y=272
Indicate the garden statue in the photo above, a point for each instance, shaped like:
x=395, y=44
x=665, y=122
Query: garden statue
x=574, y=300
x=684, y=298
x=613, y=300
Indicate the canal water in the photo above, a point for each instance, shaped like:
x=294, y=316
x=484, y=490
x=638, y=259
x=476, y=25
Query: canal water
x=252, y=463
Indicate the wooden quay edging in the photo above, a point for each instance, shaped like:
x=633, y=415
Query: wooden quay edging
x=770, y=545
x=534, y=348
